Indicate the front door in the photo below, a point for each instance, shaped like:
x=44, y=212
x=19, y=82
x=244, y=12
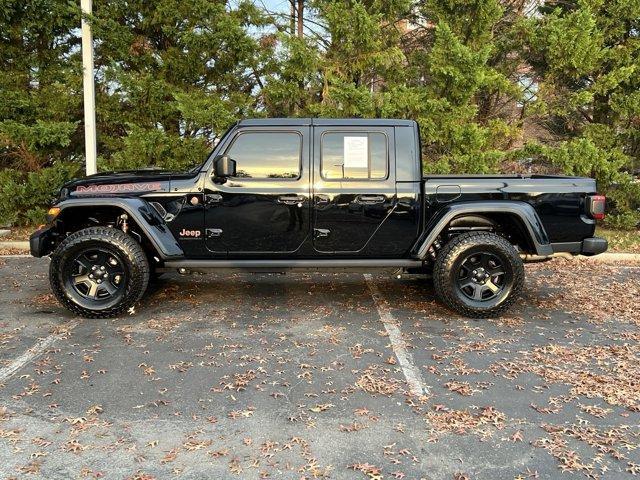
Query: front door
x=354, y=187
x=265, y=209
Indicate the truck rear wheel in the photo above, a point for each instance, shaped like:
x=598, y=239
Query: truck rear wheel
x=478, y=274
x=99, y=272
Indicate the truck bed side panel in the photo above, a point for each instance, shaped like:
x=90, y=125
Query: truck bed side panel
x=559, y=201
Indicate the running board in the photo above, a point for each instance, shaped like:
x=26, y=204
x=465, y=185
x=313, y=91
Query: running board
x=290, y=264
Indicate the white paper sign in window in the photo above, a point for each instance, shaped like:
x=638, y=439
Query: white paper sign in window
x=356, y=152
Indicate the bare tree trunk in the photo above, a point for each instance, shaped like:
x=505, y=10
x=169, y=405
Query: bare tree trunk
x=300, y=18
x=292, y=21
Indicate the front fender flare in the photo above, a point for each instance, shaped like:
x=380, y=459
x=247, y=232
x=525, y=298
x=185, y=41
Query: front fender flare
x=147, y=218
x=522, y=210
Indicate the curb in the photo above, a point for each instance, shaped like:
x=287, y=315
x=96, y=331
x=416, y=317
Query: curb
x=612, y=258
x=16, y=245
x=607, y=257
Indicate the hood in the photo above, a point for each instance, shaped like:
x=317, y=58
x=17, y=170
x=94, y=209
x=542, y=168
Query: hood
x=125, y=183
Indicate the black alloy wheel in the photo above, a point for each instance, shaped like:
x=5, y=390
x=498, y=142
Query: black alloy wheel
x=95, y=277
x=481, y=276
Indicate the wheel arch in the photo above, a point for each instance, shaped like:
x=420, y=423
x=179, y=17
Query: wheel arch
x=519, y=218
x=142, y=218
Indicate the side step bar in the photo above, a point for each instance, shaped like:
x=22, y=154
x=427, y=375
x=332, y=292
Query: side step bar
x=291, y=264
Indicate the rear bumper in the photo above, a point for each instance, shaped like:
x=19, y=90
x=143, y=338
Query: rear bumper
x=588, y=247
x=41, y=242
x=594, y=246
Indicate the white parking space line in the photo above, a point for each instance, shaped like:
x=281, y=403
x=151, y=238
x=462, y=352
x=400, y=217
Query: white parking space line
x=411, y=372
x=40, y=347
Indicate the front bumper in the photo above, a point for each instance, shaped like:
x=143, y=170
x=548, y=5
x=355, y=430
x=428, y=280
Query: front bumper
x=41, y=242
x=588, y=247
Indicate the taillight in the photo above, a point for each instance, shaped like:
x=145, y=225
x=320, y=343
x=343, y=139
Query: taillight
x=595, y=206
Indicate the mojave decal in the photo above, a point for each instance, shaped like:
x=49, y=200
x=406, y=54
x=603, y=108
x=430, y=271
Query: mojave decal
x=119, y=188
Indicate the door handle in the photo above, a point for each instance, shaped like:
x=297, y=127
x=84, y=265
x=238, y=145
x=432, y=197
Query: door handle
x=212, y=198
x=322, y=199
x=214, y=232
x=291, y=200
x=370, y=199
x=321, y=232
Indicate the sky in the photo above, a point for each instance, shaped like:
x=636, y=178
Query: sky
x=272, y=5
x=275, y=5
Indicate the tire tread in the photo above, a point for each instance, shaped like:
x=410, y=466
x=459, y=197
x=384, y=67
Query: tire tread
x=131, y=250
x=448, y=255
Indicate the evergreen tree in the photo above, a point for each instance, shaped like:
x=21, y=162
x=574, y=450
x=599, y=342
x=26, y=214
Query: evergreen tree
x=173, y=74
x=348, y=57
x=40, y=105
x=587, y=54
x=40, y=110
x=449, y=81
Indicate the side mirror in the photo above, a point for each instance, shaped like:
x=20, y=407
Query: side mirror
x=224, y=167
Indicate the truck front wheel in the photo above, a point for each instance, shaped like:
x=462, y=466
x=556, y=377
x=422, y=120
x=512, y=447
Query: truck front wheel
x=99, y=272
x=478, y=274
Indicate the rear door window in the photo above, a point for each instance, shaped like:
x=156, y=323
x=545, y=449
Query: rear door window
x=354, y=156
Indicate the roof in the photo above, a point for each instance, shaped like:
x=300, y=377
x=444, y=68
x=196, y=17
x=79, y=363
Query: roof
x=345, y=122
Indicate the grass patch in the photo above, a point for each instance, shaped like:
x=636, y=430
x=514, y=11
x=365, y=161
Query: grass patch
x=621, y=240
x=18, y=234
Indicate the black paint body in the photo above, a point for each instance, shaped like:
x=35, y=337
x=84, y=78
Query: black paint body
x=311, y=217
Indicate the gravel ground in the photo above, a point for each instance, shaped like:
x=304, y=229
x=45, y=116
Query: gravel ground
x=305, y=376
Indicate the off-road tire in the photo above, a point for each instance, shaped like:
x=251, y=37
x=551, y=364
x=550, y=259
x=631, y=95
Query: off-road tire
x=447, y=266
x=128, y=250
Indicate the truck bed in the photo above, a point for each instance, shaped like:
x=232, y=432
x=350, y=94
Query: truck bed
x=497, y=175
x=558, y=200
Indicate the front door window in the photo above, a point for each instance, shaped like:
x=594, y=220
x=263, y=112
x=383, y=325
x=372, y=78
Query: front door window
x=261, y=155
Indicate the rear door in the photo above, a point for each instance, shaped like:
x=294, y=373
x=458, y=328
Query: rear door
x=354, y=188
x=265, y=209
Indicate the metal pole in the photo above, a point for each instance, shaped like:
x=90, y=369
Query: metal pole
x=90, y=143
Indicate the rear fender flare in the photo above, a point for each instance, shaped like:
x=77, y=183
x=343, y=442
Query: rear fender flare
x=145, y=216
x=523, y=211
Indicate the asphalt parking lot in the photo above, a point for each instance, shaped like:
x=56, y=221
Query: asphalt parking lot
x=323, y=376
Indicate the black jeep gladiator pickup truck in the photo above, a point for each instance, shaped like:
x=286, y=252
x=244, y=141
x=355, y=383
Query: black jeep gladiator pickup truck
x=282, y=194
